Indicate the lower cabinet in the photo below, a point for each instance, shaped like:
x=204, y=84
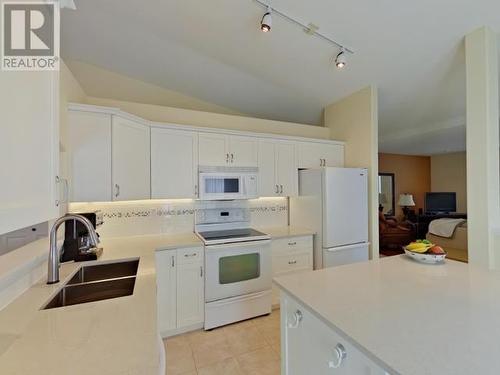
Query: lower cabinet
x=180, y=290
x=309, y=346
x=290, y=255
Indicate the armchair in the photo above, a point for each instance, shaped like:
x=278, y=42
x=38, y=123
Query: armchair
x=394, y=235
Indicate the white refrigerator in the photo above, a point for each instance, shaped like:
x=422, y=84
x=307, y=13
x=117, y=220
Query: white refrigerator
x=333, y=202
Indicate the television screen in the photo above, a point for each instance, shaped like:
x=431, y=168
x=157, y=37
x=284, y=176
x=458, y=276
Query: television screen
x=440, y=202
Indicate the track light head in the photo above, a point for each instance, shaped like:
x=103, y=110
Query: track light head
x=341, y=59
x=267, y=21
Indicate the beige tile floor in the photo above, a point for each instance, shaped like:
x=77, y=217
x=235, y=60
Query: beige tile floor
x=251, y=347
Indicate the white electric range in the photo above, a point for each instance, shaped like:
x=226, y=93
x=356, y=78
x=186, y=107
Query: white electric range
x=237, y=266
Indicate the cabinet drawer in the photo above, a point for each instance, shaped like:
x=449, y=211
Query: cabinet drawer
x=190, y=255
x=292, y=263
x=284, y=246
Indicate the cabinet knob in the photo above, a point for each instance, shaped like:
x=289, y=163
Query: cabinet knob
x=295, y=319
x=292, y=262
x=339, y=354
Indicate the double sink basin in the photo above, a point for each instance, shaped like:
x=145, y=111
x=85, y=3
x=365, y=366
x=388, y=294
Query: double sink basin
x=97, y=282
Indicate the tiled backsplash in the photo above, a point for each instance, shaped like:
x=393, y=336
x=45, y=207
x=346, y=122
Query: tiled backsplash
x=176, y=216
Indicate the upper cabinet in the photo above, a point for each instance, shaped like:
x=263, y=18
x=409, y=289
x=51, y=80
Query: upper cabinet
x=89, y=141
x=130, y=160
x=278, y=173
x=115, y=156
x=29, y=148
x=109, y=157
x=174, y=163
x=227, y=150
x=318, y=154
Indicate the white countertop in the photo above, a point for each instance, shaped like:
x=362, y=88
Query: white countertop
x=411, y=318
x=283, y=232
x=115, y=336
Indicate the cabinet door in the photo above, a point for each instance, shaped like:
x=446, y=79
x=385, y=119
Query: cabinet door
x=29, y=148
x=190, y=293
x=212, y=149
x=243, y=151
x=174, y=163
x=317, y=154
x=130, y=160
x=166, y=290
x=286, y=169
x=89, y=143
x=333, y=155
x=268, y=187
x=309, y=155
x=311, y=346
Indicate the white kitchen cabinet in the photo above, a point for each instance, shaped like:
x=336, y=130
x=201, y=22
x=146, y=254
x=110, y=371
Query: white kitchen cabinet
x=166, y=290
x=290, y=255
x=180, y=290
x=243, y=151
x=278, y=172
x=130, y=160
x=174, y=163
x=317, y=154
x=309, y=346
x=89, y=143
x=29, y=148
x=216, y=149
x=213, y=149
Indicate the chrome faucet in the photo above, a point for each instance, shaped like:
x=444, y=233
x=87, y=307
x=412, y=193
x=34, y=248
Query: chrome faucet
x=53, y=272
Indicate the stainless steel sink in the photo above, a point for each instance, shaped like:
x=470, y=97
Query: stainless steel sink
x=105, y=271
x=96, y=283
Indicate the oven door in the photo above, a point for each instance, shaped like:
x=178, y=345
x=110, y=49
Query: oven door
x=215, y=186
x=236, y=269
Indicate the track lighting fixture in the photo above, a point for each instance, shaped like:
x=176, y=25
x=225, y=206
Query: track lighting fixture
x=267, y=21
x=310, y=29
x=341, y=59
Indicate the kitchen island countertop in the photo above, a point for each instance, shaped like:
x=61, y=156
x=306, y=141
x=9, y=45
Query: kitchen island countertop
x=411, y=318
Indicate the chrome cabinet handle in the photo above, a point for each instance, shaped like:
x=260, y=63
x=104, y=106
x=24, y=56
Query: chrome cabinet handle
x=195, y=190
x=232, y=158
x=292, y=243
x=190, y=255
x=201, y=271
x=57, y=201
x=339, y=355
x=324, y=162
x=281, y=190
x=296, y=319
x=117, y=190
x=292, y=262
x=227, y=158
x=277, y=189
x=173, y=261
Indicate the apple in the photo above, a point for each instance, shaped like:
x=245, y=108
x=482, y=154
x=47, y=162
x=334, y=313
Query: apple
x=436, y=250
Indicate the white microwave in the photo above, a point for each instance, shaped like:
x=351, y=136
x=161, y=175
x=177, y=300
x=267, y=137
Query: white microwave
x=225, y=183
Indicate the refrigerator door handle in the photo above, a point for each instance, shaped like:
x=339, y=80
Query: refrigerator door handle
x=347, y=247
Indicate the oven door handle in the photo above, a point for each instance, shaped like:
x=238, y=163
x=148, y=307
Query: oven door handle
x=240, y=245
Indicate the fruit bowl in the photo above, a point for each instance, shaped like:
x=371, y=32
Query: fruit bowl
x=425, y=252
x=425, y=257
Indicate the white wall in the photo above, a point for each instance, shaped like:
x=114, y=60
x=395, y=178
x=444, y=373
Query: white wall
x=354, y=120
x=483, y=201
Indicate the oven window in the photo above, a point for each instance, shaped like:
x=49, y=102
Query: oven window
x=236, y=268
x=222, y=185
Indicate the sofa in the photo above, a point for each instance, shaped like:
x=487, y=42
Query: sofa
x=455, y=246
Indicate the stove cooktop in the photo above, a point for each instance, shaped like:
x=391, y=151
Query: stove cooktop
x=232, y=235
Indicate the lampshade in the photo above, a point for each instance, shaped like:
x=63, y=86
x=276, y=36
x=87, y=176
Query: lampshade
x=406, y=200
x=382, y=198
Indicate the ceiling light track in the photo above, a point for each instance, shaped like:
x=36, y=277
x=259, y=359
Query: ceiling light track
x=273, y=11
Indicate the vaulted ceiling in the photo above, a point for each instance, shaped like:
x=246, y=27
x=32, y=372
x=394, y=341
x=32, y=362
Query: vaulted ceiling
x=214, y=51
